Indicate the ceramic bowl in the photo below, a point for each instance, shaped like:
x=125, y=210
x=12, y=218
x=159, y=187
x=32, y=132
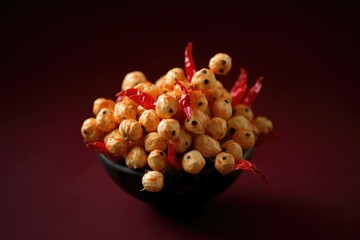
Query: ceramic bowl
x=180, y=188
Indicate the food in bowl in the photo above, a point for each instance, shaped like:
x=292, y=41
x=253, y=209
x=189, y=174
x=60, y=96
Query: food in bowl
x=179, y=124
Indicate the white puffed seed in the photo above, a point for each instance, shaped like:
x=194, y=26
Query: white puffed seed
x=105, y=120
x=207, y=146
x=198, y=100
x=148, y=88
x=142, y=85
x=149, y=120
x=243, y=110
x=137, y=143
x=97, y=105
x=139, y=111
x=157, y=160
x=131, y=79
x=153, y=181
x=124, y=111
x=176, y=92
x=166, y=106
x=216, y=127
x=193, y=162
x=129, y=102
x=208, y=112
x=113, y=133
x=136, y=158
x=224, y=163
x=131, y=129
x=116, y=144
x=222, y=108
x=220, y=64
x=215, y=92
x=255, y=130
x=90, y=131
x=236, y=123
x=263, y=124
x=171, y=75
x=183, y=142
x=169, y=129
x=102, y=103
x=160, y=83
x=197, y=122
x=154, y=141
x=232, y=148
x=203, y=79
x=245, y=138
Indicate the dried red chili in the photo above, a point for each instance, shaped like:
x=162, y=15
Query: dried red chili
x=127, y=92
x=238, y=90
x=248, y=166
x=141, y=98
x=185, y=100
x=171, y=158
x=100, y=147
x=190, y=68
x=253, y=92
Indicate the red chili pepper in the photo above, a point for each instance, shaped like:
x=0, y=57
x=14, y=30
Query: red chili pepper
x=253, y=92
x=238, y=90
x=127, y=92
x=190, y=68
x=100, y=148
x=141, y=98
x=270, y=137
x=172, y=160
x=185, y=101
x=248, y=166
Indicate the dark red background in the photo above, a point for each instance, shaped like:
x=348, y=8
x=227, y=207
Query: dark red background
x=57, y=58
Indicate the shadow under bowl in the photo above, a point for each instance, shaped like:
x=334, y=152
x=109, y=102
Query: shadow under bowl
x=180, y=188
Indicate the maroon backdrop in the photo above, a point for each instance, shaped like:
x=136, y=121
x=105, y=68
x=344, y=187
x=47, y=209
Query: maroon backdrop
x=56, y=59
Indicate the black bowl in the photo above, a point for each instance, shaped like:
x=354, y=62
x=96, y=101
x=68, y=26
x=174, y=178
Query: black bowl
x=180, y=188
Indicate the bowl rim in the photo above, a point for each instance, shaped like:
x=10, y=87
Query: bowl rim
x=247, y=154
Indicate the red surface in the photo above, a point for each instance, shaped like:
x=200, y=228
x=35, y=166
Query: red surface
x=58, y=58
